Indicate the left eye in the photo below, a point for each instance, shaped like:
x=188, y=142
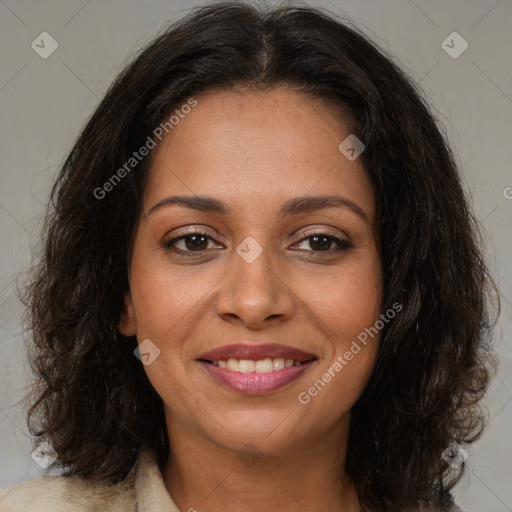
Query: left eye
x=321, y=242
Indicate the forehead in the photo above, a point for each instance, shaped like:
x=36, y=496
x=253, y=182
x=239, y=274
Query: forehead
x=259, y=146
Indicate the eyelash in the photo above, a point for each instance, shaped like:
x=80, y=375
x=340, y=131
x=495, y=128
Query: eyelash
x=342, y=244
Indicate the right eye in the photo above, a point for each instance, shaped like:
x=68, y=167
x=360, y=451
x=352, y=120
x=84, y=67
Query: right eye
x=195, y=241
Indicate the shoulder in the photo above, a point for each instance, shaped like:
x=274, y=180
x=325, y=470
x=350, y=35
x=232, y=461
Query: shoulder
x=62, y=494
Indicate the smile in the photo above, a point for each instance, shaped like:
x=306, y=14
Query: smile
x=259, y=366
x=256, y=369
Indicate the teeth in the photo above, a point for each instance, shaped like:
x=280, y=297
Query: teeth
x=232, y=365
x=277, y=364
x=260, y=366
x=246, y=366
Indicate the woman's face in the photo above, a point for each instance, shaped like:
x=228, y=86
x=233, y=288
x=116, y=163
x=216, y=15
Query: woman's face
x=259, y=277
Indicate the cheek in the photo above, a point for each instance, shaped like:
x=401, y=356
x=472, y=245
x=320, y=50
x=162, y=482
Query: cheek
x=337, y=387
x=347, y=307
x=350, y=357
x=356, y=350
x=344, y=302
x=165, y=296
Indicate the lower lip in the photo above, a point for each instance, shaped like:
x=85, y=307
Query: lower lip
x=256, y=383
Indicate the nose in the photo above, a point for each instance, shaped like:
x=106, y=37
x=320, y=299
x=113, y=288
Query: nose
x=255, y=294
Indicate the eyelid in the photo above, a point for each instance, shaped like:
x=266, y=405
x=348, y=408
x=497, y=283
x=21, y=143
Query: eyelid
x=193, y=230
x=342, y=241
x=306, y=233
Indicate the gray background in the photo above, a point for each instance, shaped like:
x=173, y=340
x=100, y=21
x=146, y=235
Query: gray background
x=45, y=102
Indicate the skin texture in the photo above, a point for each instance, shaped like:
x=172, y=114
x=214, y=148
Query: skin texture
x=254, y=150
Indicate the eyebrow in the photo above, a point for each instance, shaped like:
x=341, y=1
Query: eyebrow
x=294, y=206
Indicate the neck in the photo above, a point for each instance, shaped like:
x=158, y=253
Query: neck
x=204, y=476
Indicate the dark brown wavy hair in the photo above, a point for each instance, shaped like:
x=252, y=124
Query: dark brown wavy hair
x=92, y=400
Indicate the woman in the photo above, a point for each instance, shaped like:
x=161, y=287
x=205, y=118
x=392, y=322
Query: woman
x=262, y=286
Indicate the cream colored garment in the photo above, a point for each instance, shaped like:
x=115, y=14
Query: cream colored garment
x=144, y=491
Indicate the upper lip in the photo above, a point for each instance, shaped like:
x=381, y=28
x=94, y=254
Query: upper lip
x=254, y=352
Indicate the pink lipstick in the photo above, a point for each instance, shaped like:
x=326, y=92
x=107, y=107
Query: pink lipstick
x=256, y=369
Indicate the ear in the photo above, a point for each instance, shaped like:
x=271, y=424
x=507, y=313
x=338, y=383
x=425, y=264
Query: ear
x=127, y=325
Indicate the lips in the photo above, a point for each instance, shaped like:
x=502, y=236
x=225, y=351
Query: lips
x=254, y=352
x=256, y=369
